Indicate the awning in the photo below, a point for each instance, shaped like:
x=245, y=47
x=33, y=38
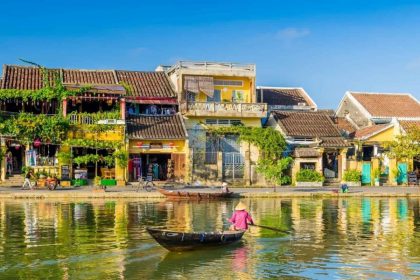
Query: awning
x=197, y=84
x=110, y=89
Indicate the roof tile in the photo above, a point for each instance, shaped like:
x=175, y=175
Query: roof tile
x=147, y=84
x=283, y=96
x=156, y=127
x=388, y=105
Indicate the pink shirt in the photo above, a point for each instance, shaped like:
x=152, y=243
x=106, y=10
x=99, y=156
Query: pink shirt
x=240, y=219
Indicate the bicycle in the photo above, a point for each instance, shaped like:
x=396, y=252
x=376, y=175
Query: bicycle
x=147, y=185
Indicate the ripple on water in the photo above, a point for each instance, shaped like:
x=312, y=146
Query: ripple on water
x=331, y=239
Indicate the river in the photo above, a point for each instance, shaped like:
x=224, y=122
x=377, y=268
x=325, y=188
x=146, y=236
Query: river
x=349, y=238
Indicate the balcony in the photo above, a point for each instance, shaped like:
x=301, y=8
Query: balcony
x=222, y=109
x=213, y=68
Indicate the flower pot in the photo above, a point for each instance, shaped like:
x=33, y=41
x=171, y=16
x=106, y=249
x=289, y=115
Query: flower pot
x=108, y=182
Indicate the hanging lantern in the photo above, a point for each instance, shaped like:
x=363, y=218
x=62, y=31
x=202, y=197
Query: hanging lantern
x=139, y=144
x=171, y=144
x=37, y=143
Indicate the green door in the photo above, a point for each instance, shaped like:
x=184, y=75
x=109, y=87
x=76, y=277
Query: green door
x=366, y=173
x=402, y=177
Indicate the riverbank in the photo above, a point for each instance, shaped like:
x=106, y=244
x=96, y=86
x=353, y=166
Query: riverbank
x=130, y=192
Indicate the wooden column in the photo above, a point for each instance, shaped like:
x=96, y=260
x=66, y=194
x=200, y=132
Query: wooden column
x=64, y=107
x=122, y=108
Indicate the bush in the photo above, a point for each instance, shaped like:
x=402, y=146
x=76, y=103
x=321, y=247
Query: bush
x=352, y=175
x=309, y=175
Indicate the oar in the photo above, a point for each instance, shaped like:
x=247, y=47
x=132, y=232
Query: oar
x=271, y=228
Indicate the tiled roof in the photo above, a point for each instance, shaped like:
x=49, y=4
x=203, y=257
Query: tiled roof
x=22, y=77
x=333, y=142
x=303, y=152
x=368, y=131
x=407, y=125
x=147, y=84
x=344, y=125
x=89, y=77
x=283, y=96
x=143, y=84
x=306, y=123
x=388, y=105
x=156, y=127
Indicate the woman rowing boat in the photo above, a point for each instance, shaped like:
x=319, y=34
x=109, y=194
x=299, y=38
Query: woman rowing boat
x=240, y=218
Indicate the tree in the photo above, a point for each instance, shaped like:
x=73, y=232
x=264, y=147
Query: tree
x=406, y=146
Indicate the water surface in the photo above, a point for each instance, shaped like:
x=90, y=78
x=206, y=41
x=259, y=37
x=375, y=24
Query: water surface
x=106, y=239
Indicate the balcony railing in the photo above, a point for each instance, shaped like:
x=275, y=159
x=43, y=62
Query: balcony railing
x=93, y=118
x=224, y=109
x=206, y=65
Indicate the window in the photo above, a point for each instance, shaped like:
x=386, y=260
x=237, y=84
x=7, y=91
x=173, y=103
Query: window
x=216, y=96
x=303, y=139
x=238, y=96
x=307, y=165
x=228, y=83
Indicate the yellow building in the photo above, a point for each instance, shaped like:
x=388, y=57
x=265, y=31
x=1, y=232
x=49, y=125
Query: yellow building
x=218, y=94
x=373, y=119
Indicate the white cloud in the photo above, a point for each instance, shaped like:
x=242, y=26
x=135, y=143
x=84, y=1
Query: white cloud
x=291, y=33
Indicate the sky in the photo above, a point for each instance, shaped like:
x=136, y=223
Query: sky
x=326, y=47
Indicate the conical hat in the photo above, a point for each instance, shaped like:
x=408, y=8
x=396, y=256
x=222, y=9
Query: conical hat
x=240, y=206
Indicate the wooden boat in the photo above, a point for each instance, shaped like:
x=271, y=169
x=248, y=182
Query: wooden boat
x=184, y=241
x=178, y=194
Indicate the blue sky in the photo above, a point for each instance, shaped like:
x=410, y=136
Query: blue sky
x=327, y=47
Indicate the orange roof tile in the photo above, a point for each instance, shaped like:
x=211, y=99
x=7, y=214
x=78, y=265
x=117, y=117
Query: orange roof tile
x=388, y=105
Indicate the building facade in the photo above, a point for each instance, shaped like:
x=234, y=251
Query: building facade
x=218, y=94
x=377, y=118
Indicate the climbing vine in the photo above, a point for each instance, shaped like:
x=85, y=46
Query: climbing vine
x=27, y=127
x=271, y=144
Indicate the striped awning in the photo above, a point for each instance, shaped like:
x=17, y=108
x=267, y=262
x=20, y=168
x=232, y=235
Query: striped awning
x=197, y=84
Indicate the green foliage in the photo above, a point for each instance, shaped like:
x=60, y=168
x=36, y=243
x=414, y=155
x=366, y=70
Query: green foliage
x=27, y=127
x=376, y=173
x=85, y=159
x=406, y=146
x=26, y=169
x=122, y=158
x=64, y=157
x=108, y=160
x=352, y=175
x=274, y=170
x=309, y=175
x=271, y=144
x=95, y=144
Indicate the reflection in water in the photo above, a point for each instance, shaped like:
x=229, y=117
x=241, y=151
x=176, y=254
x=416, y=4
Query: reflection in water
x=332, y=238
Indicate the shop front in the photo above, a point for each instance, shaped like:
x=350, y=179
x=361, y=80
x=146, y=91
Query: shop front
x=157, y=148
x=158, y=161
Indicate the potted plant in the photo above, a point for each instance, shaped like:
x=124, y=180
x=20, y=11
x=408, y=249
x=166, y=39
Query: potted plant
x=309, y=178
x=352, y=177
x=376, y=176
